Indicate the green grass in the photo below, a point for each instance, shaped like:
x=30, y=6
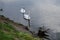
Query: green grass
x=7, y=32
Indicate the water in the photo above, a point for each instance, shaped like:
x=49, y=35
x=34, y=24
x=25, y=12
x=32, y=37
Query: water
x=42, y=12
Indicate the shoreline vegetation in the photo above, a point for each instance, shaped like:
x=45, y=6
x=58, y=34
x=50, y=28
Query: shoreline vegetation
x=8, y=32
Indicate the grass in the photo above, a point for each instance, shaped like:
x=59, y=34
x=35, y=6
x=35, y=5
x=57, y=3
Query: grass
x=7, y=32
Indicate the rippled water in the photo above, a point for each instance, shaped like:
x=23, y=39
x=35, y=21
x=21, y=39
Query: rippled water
x=42, y=12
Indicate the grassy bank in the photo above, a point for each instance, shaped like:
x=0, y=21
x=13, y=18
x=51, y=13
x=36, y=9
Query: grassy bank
x=7, y=32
